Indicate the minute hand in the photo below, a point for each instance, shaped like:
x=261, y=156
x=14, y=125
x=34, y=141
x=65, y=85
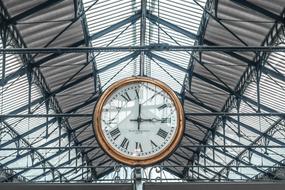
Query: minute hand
x=152, y=120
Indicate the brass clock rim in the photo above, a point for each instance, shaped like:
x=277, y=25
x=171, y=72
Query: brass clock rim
x=128, y=160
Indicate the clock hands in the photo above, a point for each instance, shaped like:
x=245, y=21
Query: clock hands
x=139, y=116
x=139, y=120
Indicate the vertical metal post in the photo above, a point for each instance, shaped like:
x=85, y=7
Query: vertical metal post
x=238, y=117
x=142, y=36
x=224, y=132
x=94, y=75
x=4, y=39
x=258, y=76
x=30, y=89
x=138, y=185
x=213, y=143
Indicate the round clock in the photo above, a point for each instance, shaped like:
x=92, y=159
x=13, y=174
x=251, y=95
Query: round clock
x=138, y=121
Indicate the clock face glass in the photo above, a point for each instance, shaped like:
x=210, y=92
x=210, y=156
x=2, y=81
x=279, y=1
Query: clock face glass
x=139, y=120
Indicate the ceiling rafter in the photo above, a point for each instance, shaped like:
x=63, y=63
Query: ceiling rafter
x=260, y=10
x=33, y=10
x=157, y=20
x=27, y=143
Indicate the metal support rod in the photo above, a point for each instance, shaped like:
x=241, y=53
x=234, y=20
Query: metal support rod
x=170, y=166
x=138, y=176
x=188, y=146
x=3, y=37
x=142, y=36
x=268, y=114
x=258, y=77
x=153, y=47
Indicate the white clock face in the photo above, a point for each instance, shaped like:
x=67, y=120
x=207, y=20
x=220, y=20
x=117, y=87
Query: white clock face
x=139, y=120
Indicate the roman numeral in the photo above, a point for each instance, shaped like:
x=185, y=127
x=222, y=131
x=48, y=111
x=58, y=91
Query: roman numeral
x=153, y=145
x=137, y=94
x=162, y=133
x=115, y=133
x=125, y=143
x=139, y=146
x=166, y=120
x=126, y=97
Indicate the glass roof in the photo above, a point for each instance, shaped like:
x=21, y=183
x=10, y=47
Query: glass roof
x=252, y=131
x=185, y=15
x=116, y=23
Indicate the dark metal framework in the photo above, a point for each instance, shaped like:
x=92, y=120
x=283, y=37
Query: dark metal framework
x=200, y=166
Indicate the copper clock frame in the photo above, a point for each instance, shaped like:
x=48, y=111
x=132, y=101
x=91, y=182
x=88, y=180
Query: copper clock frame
x=136, y=161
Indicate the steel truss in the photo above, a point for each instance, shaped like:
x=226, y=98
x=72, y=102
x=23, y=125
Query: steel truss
x=158, y=47
x=33, y=75
x=254, y=69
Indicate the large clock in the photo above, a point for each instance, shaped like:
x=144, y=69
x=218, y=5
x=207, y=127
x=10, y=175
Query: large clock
x=138, y=121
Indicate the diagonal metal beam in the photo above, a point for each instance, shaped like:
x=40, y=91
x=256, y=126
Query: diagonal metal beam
x=33, y=10
x=156, y=20
x=220, y=164
x=82, y=165
x=44, y=160
x=55, y=55
x=19, y=73
x=199, y=103
x=30, y=151
x=132, y=19
x=249, y=62
x=34, y=129
x=197, y=173
x=119, y=61
x=222, y=87
x=27, y=143
x=274, y=74
x=259, y=9
x=252, y=129
x=253, y=150
x=86, y=103
x=166, y=61
x=61, y=165
x=87, y=76
x=238, y=143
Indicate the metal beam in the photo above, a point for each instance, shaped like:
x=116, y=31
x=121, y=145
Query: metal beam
x=216, y=162
x=34, y=129
x=252, y=129
x=240, y=144
x=46, y=159
x=57, y=51
x=54, y=54
x=30, y=151
x=26, y=142
x=33, y=10
x=260, y=10
x=274, y=74
x=132, y=19
x=166, y=61
x=87, y=102
x=19, y=73
x=156, y=20
x=142, y=36
x=119, y=61
x=253, y=150
x=220, y=164
x=89, y=115
x=62, y=164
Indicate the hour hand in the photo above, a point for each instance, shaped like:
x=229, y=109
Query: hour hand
x=162, y=120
